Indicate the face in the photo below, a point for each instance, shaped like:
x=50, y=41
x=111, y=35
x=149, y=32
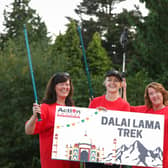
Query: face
x=112, y=84
x=63, y=89
x=155, y=97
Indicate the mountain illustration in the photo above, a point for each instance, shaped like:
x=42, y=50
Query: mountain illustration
x=136, y=154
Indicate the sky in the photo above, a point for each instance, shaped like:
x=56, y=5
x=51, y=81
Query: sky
x=53, y=12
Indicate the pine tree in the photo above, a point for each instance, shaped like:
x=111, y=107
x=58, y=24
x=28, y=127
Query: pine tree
x=99, y=16
x=151, y=41
x=21, y=14
x=98, y=59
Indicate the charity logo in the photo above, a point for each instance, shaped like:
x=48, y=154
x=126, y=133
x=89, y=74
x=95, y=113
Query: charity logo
x=68, y=112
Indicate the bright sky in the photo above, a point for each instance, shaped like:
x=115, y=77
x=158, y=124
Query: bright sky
x=53, y=12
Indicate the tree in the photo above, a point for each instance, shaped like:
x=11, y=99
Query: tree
x=16, y=98
x=58, y=57
x=98, y=16
x=21, y=14
x=16, y=88
x=72, y=48
x=98, y=59
x=135, y=94
x=151, y=40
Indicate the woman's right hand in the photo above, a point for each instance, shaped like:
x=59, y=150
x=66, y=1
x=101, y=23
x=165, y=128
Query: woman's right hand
x=36, y=109
x=30, y=124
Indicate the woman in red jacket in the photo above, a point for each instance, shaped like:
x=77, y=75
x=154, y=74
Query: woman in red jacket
x=59, y=91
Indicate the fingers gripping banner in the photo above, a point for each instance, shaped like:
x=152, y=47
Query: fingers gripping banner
x=125, y=138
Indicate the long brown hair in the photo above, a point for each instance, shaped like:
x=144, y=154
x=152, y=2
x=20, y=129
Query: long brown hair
x=50, y=96
x=158, y=87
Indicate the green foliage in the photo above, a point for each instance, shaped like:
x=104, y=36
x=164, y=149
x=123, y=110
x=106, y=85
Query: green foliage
x=99, y=16
x=98, y=59
x=58, y=54
x=67, y=56
x=16, y=99
x=98, y=86
x=21, y=14
x=152, y=37
x=75, y=65
x=73, y=51
x=81, y=90
x=136, y=84
x=16, y=93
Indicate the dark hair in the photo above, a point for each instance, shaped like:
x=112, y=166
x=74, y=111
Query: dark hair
x=115, y=73
x=158, y=87
x=50, y=96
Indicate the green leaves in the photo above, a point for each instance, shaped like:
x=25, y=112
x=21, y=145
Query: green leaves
x=152, y=38
x=98, y=59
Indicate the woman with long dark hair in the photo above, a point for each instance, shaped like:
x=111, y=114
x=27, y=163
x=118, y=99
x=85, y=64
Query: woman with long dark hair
x=59, y=91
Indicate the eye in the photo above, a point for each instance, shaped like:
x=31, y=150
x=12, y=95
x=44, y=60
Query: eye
x=67, y=84
x=150, y=94
x=115, y=80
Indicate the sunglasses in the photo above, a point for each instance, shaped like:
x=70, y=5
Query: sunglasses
x=66, y=74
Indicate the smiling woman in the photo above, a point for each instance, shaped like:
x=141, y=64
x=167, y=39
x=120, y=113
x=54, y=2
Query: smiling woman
x=156, y=102
x=110, y=101
x=59, y=92
x=156, y=96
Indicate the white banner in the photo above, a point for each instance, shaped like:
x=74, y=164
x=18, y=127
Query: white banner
x=125, y=138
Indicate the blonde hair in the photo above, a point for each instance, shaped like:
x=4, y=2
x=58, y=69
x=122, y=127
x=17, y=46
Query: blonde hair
x=158, y=87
